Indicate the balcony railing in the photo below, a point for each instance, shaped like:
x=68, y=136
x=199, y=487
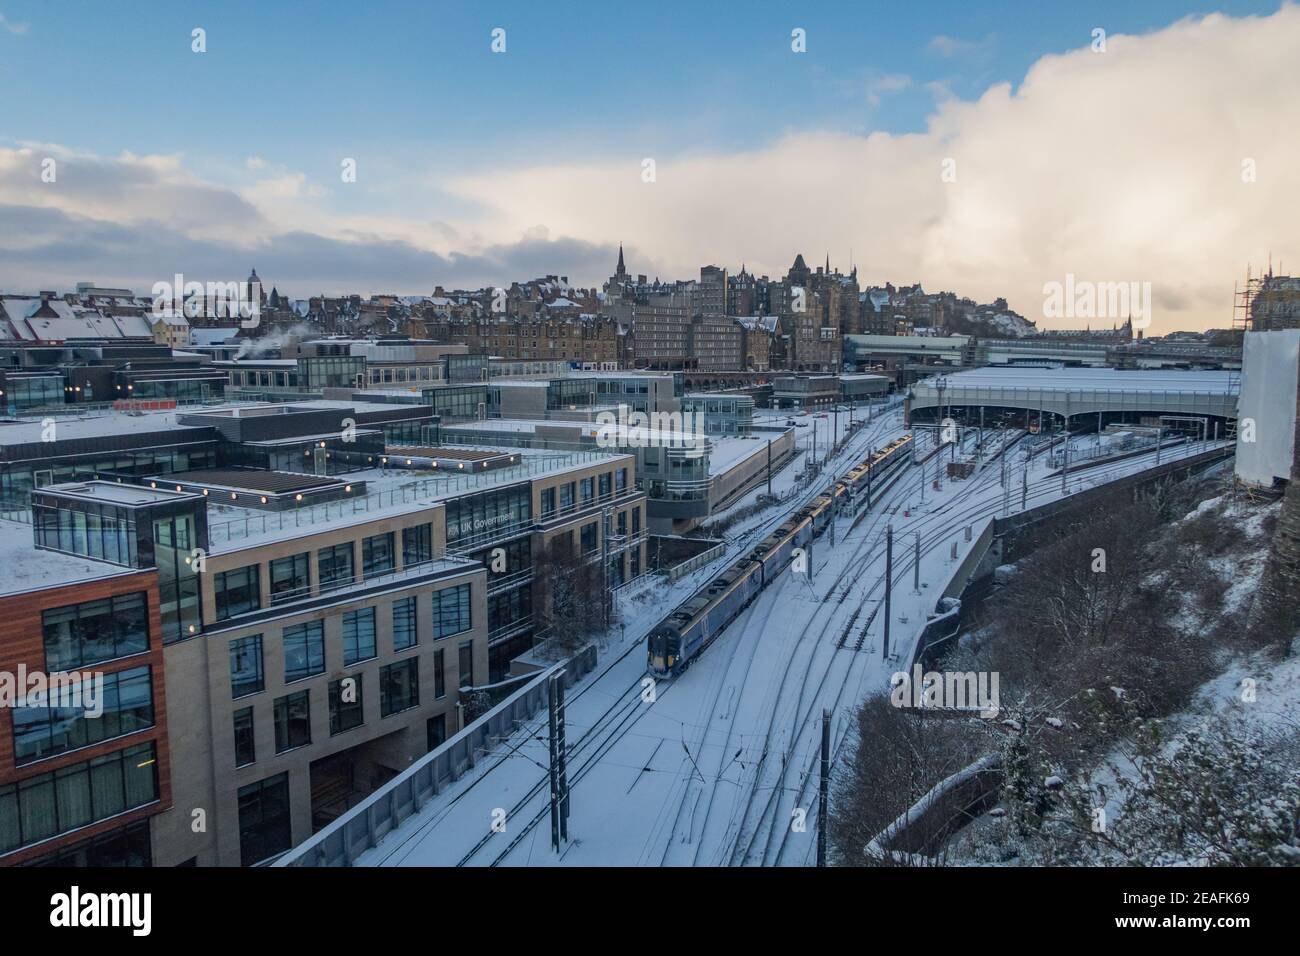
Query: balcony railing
x=226, y=532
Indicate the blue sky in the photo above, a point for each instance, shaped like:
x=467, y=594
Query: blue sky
x=483, y=168
x=302, y=84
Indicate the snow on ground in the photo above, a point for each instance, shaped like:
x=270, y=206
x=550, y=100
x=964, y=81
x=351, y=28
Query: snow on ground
x=719, y=767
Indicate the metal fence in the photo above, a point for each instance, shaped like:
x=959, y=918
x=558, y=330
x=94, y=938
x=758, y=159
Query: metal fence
x=417, y=490
x=382, y=812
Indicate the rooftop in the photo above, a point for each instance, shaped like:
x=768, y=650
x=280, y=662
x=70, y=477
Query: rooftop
x=28, y=568
x=389, y=493
x=1091, y=379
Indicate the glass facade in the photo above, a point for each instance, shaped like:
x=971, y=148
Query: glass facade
x=417, y=544
x=377, y=554
x=100, y=531
x=451, y=611
x=237, y=591
x=264, y=829
x=404, y=624
x=95, y=631
x=399, y=686
x=304, y=650
x=292, y=721
x=465, y=664
x=246, y=673
x=334, y=564
x=456, y=401
x=245, y=743
x=481, y=516
x=358, y=635
x=126, y=701
x=331, y=371
x=18, y=479
x=345, y=704
x=128, y=846
x=290, y=578
x=174, y=539
x=44, y=806
x=34, y=391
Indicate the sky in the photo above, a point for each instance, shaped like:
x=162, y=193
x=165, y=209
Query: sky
x=986, y=148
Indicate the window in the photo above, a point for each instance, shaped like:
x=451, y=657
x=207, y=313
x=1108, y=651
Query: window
x=95, y=631
x=451, y=611
x=589, y=537
x=358, y=635
x=237, y=592
x=435, y=729
x=399, y=686
x=404, y=628
x=417, y=544
x=290, y=578
x=245, y=750
x=345, y=704
x=566, y=496
x=264, y=819
x=620, y=479
x=466, y=664
x=636, y=521
x=292, y=721
x=334, y=565
x=125, y=705
x=246, y=676
x=304, y=650
x=604, y=484
x=377, y=554
x=588, y=490
x=548, y=502
x=622, y=524
x=40, y=807
x=439, y=674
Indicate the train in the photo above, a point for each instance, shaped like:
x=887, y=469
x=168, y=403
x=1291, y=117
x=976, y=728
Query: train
x=673, y=644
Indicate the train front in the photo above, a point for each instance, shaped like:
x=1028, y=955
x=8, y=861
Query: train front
x=663, y=649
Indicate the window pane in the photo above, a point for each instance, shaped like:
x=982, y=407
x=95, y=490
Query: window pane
x=246, y=675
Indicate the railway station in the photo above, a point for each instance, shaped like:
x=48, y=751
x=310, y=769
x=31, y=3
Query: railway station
x=1079, y=399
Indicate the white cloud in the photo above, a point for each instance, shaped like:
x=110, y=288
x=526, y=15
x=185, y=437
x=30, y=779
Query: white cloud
x=1117, y=166
x=18, y=29
x=1122, y=166
x=879, y=86
x=948, y=46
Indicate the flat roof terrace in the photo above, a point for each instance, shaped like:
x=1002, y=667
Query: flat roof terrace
x=261, y=490
x=389, y=492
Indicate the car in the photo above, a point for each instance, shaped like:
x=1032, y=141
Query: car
x=800, y=424
x=791, y=421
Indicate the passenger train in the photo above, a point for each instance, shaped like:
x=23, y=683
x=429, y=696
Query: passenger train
x=676, y=641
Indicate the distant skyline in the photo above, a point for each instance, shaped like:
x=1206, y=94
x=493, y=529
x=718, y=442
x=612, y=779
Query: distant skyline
x=479, y=168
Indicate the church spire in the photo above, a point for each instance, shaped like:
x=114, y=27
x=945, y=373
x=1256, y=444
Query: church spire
x=621, y=270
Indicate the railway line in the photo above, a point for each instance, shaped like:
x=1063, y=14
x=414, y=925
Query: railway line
x=747, y=731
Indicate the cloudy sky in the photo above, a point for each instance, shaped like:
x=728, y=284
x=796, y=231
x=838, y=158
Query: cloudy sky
x=986, y=148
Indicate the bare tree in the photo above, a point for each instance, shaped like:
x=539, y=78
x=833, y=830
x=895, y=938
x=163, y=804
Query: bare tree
x=572, y=596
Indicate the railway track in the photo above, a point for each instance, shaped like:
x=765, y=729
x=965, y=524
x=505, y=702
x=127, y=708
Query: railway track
x=854, y=447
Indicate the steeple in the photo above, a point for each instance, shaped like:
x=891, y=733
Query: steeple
x=621, y=270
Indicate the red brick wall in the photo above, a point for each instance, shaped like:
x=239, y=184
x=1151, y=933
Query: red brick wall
x=22, y=642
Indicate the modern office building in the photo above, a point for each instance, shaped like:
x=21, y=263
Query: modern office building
x=316, y=628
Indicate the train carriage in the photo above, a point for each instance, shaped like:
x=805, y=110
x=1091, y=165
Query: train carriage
x=674, y=643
